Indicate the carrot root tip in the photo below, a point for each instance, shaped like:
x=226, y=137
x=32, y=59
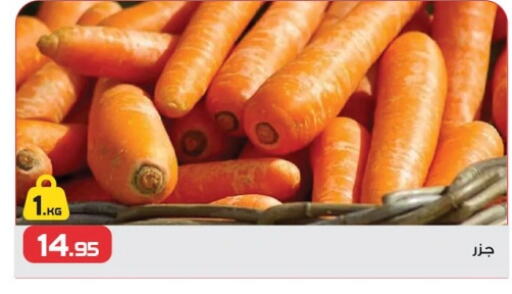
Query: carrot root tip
x=149, y=179
x=194, y=142
x=26, y=160
x=227, y=121
x=266, y=133
x=48, y=44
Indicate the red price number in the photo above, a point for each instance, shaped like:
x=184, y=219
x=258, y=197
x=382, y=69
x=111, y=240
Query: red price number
x=71, y=244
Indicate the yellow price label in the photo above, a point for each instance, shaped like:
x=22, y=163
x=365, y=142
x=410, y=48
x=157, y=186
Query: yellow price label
x=46, y=203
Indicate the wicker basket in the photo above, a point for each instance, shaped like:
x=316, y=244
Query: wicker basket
x=470, y=200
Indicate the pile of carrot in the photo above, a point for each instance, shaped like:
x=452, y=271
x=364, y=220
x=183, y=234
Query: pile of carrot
x=254, y=104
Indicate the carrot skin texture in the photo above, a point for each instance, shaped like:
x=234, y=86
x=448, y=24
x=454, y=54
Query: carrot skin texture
x=410, y=102
x=157, y=16
x=31, y=162
x=463, y=30
x=28, y=58
x=335, y=13
x=299, y=158
x=85, y=189
x=500, y=94
x=65, y=145
x=197, y=138
x=338, y=157
x=211, y=181
x=126, y=55
x=191, y=68
x=49, y=94
x=128, y=149
x=58, y=14
x=275, y=39
x=98, y=12
x=254, y=201
x=461, y=147
x=294, y=105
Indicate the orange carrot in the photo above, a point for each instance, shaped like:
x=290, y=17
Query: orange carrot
x=207, y=182
x=128, y=150
x=202, y=48
x=254, y=201
x=299, y=158
x=500, y=94
x=28, y=58
x=500, y=25
x=410, y=101
x=80, y=112
x=98, y=12
x=336, y=12
x=197, y=138
x=49, y=94
x=461, y=147
x=157, y=16
x=85, y=189
x=338, y=158
x=276, y=38
x=58, y=14
x=420, y=22
x=133, y=56
x=463, y=30
x=64, y=144
x=360, y=105
x=31, y=162
x=294, y=105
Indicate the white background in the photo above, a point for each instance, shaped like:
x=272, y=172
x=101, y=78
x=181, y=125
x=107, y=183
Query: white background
x=8, y=284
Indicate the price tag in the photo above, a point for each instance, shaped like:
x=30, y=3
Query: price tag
x=67, y=244
x=46, y=203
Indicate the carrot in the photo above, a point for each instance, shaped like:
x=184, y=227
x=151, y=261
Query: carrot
x=500, y=94
x=28, y=57
x=197, y=138
x=98, y=12
x=299, y=158
x=64, y=144
x=49, y=94
x=294, y=105
x=128, y=150
x=58, y=14
x=360, y=105
x=207, y=182
x=85, y=189
x=338, y=158
x=203, y=46
x=276, y=38
x=157, y=16
x=500, y=25
x=461, y=147
x=411, y=97
x=463, y=30
x=132, y=56
x=420, y=22
x=80, y=112
x=336, y=12
x=254, y=201
x=31, y=162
